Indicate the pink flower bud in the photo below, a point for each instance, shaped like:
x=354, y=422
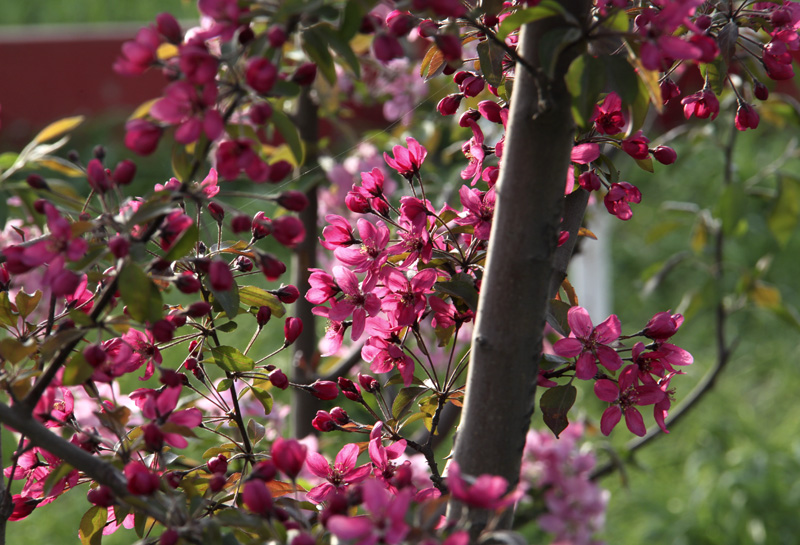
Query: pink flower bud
x=662, y=326
x=216, y=211
x=220, y=275
x=171, y=378
x=703, y=22
x=368, y=383
x=198, y=309
x=261, y=226
x=97, y=177
x=172, y=478
x=256, y=497
x=142, y=136
x=124, y=172
x=450, y=46
x=101, y=496
x=340, y=416
x=349, y=389
x=490, y=110
x=468, y=117
x=449, y=104
x=288, y=230
x=190, y=364
x=162, y=331
x=276, y=36
x=36, y=182
x=261, y=74
x=264, y=471
x=305, y=74
x=169, y=537
x=746, y=117
x=278, y=379
x=279, y=170
x=243, y=264
x=293, y=200
x=292, y=329
x=218, y=464
x=665, y=155
x=241, y=223
x=287, y=294
x=760, y=90
x=323, y=422
x=270, y=266
x=636, y=146
x=385, y=47
x=188, y=283
x=260, y=113
x=400, y=23
x=288, y=455
x=119, y=246
x=357, y=202
x=669, y=90
x=324, y=390
x=263, y=315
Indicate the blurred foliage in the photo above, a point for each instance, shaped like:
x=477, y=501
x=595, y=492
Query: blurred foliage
x=34, y=12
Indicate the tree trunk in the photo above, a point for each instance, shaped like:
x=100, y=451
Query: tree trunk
x=516, y=287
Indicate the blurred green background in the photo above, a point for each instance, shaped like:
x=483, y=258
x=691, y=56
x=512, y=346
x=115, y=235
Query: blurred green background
x=728, y=474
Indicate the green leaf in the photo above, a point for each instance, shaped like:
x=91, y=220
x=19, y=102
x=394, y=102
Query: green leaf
x=555, y=403
x=181, y=162
x=255, y=431
x=491, y=56
x=184, y=244
x=784, y=216
x=227, y=327
x=77, y=370
x=224, y=385
x=289, y=132
x=716, y=72
x=342, y=48
x=15, y=351
x=285, y=88
x=59, y=473
x=231, y=360
x=585, y=80
x=140, y=294
x=228, y=299
x=7, y=316
x=314, y=43
x=557, y=316
x=726, y=39
x=253, y=296
x=731, y=208
x=428, y=407
x=545, y=9
x=618, y=21
x=463, y=289
x=352, y=16
x=621, y=77
x=405, y=397
x=261, y=391
x=645, y=164
x=92, y=524
x=7, y=159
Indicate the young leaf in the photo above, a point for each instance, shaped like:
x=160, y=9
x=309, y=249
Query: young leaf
x=555, y=403
x=57, y=128
x=92, y=524
x=491, y=57
x=140, y=294
x=253, y=296
x=404, y=399
x=289, y=132
x=230, y=359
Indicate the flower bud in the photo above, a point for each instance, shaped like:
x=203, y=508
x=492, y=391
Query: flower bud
x=288, y=230
x=324, y=390
x=291, y=330
x=368, y=383
x=323, y=422
x=188, y=283
x=450, y=46
x=276, y=36
x=356, y=202
x=154, y=440
x=264, y=471
x=243, y=264
x=340, y=416
x=36, y=182
x=288, y=455
x=293, y=200
x=216, y=211
x=124, y=172
x=305, y=74
x=198, y=309
x=169, y=537
x=449, y=104
x=220, y=275
x=349, y=389
x=263, y=315
x=589, y=180
x=241, y=223
x=190, y=364
x=261, y=226
x=665, y=155
x=278, y=379
x=119, y=246
x=163, y=331
x=279, y=170
x=760, y=90
x=270, y=266
x=218, y=464
x=142, y=136
x=261, y=74
x=287, y=294
x=101, y=496
x=260, y=113
x=257, y=498
x=169, y=28
x=217, y=482
x=95, y=355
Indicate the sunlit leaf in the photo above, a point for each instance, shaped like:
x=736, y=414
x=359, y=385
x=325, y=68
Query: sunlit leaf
x=405, y=397
x=231, y=360
x=58, y=128
x=785, y=214
x=92, y=524
x=254, y=296
x=140, y=294
x=289, y=132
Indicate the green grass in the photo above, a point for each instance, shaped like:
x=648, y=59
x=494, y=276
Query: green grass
x=35, y=12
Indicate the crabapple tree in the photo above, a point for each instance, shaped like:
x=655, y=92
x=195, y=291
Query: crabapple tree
x=142, y=360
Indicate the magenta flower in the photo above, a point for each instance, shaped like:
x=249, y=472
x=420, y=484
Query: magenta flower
x=590, y=343
x=323, y=287
x=356, y=302
x=160, y=408
x=636, y=146
x=406, y=302
x=385, y=519
x=619, y=197
x=608, y=117
x=339, y=232
x=191, y=109
x=407, y=161
x=486, y=492
x=662, y=326
x=371, y=255
x=702, y=104
x=746, y=117
x=339, y=475
x=478, y=210
x=382, y=457
x=288, y=455
x=623, y=398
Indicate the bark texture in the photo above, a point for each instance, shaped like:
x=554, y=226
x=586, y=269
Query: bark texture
x=516, y=288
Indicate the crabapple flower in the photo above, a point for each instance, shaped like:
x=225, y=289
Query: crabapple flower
x=356, y=302
x=607, y=117
x=702, y=104
x=618, y=197
x=584, y=154
x=338, y=475
x=385, y=519
x=407, y=160
x=486, y=492
x=623, y=398
x=746, y=117
x=370, y=256
x=590, y=343
x=288, y=455
x=662, y=326
x=636, y=146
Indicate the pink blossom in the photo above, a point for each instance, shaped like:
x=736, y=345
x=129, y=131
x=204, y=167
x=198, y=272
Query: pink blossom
x=485, y=492
x=385, y=519
x=191, y=109
x=608, y=117
x=590, y=343
x=371, y=255
x=702, y=104
x=618, y=198
x=624, y=397
x=584, y=154
x=478, y=210
x=338, y=475
x=407, y=160
x=355, y=302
